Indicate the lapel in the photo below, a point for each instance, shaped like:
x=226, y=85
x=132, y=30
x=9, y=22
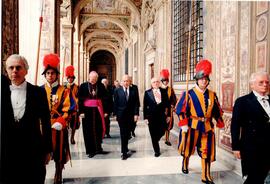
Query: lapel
x=256, y=105
x=151, y=95
x=28, y=97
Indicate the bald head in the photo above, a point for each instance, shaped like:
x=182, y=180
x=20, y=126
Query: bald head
x=93, y=77
x=155, y=83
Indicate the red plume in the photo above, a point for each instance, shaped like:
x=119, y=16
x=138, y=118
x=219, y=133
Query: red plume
x=164, y=74
x=51, y=60
x=69, y=71
x=204, y=66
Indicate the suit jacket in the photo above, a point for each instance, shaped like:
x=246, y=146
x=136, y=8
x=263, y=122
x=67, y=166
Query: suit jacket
x=25, y=143
x=123, y=107
x=250, y=129
x=151, y=109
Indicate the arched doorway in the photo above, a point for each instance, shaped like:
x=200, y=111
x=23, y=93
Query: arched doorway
x=103, y=62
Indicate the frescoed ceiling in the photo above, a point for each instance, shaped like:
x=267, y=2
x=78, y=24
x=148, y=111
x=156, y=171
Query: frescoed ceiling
x=106, y=20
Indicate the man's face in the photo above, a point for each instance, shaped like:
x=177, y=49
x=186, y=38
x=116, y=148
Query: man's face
x=165, y=82
x=70, y=79
x=93, y=78
x=51, y=76
x=203, y=83
x=126, y=81
x=16, y=71
x=261, y=84
x=155, y=83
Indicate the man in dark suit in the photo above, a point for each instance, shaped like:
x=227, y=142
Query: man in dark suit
x=27, y=129
x=133, y=125
x=126, y=109
x=250, y=130
x=107, y=106
x=156, y=110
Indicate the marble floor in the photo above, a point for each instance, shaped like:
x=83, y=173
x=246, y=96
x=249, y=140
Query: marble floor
x=140, y=168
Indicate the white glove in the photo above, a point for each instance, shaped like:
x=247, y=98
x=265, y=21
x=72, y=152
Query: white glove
x=184, y=128
x=146, y=121
x=57, y=126
x=82, y=115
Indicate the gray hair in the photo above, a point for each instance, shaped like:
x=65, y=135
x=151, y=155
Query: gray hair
x=93, y=72
x=254, y=75
x=18, y=57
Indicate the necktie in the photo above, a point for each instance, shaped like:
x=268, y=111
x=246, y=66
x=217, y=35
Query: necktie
x=157, y=96
x=126, y=93
x=265, y=103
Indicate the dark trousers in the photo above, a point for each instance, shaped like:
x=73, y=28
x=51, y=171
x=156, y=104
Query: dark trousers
x=124, y=132
x=155, y=137
x=29, y=174
x=258, y=176
x=108, y=124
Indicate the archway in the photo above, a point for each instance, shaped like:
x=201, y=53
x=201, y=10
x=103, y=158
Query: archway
x=103, y=62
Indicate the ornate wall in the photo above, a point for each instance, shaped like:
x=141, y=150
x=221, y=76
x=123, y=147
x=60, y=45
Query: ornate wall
x=10, y=32
x=236, y=40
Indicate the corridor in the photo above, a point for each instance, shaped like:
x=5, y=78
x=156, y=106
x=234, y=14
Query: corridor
x=140, y=168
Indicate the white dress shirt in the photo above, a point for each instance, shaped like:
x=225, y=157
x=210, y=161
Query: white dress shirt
x=18, y=100
x=157, y=95
x=263, y=100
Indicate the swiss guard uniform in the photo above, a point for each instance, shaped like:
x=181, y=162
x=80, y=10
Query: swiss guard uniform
x=196, y=111
x=60, y=104
x=74, y=123
x=164, y=75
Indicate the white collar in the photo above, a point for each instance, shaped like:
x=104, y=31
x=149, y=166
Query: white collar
x=22, y=86
x=260, y=97
x=53, y=84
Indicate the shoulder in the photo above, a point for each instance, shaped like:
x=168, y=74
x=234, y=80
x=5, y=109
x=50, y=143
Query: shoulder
x=244, y=98
x=37, y=90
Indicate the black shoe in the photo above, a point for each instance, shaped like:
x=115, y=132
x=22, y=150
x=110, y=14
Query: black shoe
x=91, y=155
x=124, y=156
x=108, y=136
x=185, y=171
x=157, y=154
x=208, y=182
x=168, y=143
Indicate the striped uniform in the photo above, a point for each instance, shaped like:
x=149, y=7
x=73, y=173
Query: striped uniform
x=197, y=113
x=74, y=122
x=60, y=104
x=172, y=99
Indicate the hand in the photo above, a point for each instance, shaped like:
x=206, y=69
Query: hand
x=57, y=126
x=237, y=154
x=136, y=118
x=168, y=119
x=105, y=115
x=184, y=128
x=82, y=115
x=146, y=121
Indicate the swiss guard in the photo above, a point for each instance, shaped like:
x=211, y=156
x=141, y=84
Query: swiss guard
x=196, y=112
x=164, y=78
x=74, y=123
x=60, y=104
